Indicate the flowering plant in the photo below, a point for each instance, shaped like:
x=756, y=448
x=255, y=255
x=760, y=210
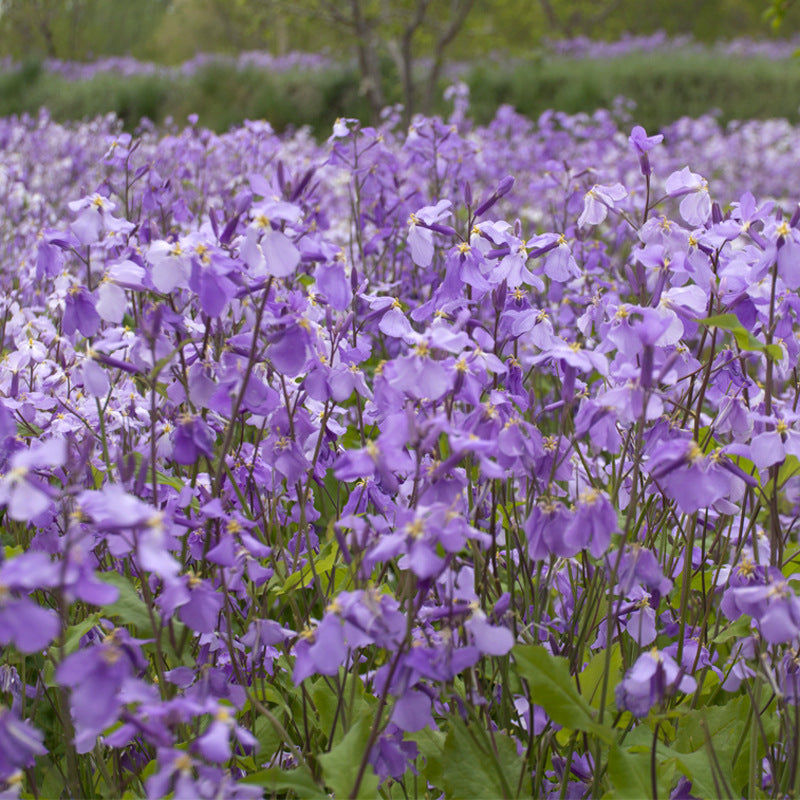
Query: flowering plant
x=332, y=467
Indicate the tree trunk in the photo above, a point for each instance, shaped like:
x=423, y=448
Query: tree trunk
x=460, y=13
x=368, y=60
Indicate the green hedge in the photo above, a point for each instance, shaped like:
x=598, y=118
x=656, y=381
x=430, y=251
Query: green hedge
x=665, y=86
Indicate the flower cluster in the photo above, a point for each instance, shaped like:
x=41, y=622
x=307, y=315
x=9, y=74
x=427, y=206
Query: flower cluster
x=311, y=452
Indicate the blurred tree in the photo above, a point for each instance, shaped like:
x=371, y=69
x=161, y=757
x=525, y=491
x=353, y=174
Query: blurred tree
x=33, y=23
x=584, y=17
x=77, y=29
x=399, y=45
x=413, y=36
x=776, y=11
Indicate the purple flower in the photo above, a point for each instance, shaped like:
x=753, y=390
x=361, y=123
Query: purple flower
x=559, y=263
x=639, y=565
x=598, y=200
x=112, y=302
x=20, y=743
x=215, y=743
x=22, y=490
x=175, y=774
x=772, y=446
x=197, y=603
x=170, y=266
x=321, y=650
x=683, y=790
x=652, y=679
x=547, y=528
x=788, y=256
x=94, y=213
x=789, y=677
x=492, y=640
x=334, y=284
x=209, y=280
x=641, y=624
x=695, y=206
x=688, y=476
x=391, y=757
x=191, y=439
x=80, y=313
x=642, y=144
x=412, y=711
x=280, y=254
x=592, y=524
x=772, y=604
x=96, y=676
x=288, y=350
x=420, y=235
x=26, y=624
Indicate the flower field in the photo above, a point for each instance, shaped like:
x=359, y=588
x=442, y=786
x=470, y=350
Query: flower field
x=454, y=461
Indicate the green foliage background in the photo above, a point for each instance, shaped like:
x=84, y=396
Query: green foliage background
x=663, y=89
x=500, y=43
x=170, y=31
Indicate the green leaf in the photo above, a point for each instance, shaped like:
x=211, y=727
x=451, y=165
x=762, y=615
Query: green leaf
x=268, y=738
x=431, y=749
x=77, y=631
x=594, y=673
x=774, y=352
x=744, y=339
x=340, y=765
x=553, y=688
x=472, y=765
x=718, y=726
x=629, y=773
x=176, y=483
x=323, y=564
x=129, y=607
x=788, y=469
x=736, y=629
x=295, y=780
x=326, y=702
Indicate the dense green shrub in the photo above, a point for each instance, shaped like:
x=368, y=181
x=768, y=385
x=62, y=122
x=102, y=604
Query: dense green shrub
x=664, y=88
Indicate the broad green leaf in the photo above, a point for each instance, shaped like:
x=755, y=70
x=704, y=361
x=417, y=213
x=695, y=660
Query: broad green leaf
x=326, y=702
x=52, y=784
x=722, y=727
x=735, y=630
x=788, y=469
x=431, y=750
x=268, y=738
x=744, y=339
x=77, y=631
x=472, y=767
x=553, y=688
x=697, y=767
x=629, y=773
x=340, y=765
x=723, y=723
x=295, y=780
x=130, y=609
